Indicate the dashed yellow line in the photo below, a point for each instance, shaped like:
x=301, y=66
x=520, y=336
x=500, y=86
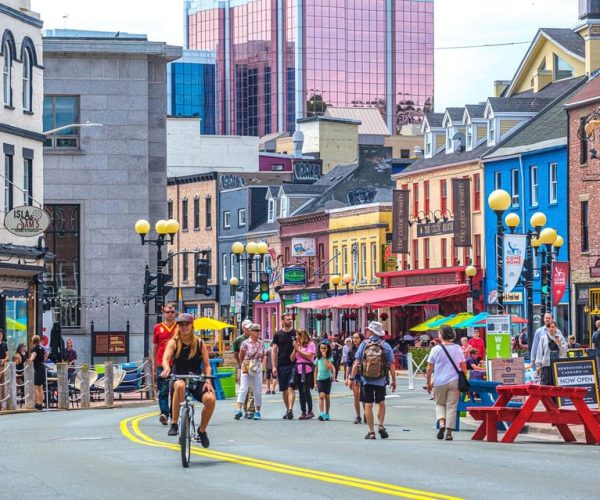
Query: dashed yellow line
x=130, y=428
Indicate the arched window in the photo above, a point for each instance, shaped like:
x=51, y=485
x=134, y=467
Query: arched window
x=27, y=87
x=6, y=73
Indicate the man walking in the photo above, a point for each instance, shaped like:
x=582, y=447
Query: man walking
x=283, y=366
x=235, y=347
x=374, y=365
x=544, y=329
x=162, y=334
x=596, y=345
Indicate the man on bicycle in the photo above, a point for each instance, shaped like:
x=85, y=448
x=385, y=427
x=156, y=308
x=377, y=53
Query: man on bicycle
x=189, y=356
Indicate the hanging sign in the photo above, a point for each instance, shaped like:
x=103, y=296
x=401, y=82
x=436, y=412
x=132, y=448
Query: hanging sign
x=514, y=258
x=560, y=278
x=461, y=195
x=400, y=213
x=26, y=221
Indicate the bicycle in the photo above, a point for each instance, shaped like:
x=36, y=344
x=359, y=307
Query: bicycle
x=186, y=425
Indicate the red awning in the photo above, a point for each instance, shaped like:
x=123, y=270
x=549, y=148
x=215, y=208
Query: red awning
x=385, y=297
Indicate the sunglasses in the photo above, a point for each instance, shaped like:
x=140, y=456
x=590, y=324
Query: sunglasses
x=169, y=312
x=184, y=323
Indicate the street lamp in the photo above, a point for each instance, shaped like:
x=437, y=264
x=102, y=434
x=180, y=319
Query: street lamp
x=347, y=279
x=233, y=284
x=548, y=237
x=164, y=229
x=335, y=281
x=499, y=201
x=470, y=272
x=250, y=253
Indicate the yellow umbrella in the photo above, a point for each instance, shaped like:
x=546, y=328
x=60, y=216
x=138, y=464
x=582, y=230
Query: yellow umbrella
x=459, y=318
x=210, y=324
x=424, y=327
x=11, y=324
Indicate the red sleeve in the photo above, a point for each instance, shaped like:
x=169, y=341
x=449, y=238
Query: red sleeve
x=156, y=331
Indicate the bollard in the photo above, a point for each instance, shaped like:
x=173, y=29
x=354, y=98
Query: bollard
x=62, y=385
x=149, y=378
x=411, y=375
x=109, y=376
x=85, y=385
x=29, y=387
x=11, y=387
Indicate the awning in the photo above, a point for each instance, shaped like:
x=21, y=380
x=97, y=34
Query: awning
x=385, y=297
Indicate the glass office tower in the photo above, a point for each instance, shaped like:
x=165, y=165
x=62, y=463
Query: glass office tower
x=281, y=60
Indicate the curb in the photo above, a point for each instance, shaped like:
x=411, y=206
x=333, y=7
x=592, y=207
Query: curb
x=136, y=404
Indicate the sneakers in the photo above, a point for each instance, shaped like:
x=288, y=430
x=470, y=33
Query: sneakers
x=172, y=430
x=203, y=439
x=322, y=417
x=358, y=420
x=310, y=415
x=256, y=415
x=163, y=419
x=238, y=414
x=327, y=417
x=289, y=415
x=304, y=416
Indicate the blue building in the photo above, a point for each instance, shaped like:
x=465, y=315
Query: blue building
x=191, y=88
x=532, y=166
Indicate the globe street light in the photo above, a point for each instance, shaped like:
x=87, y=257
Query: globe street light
x=499, y=201
x=335, y=281
x=470, y=272
x=251, y=253
x=347, y=279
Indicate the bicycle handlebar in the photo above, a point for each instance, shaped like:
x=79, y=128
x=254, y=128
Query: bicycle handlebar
x=191, y=377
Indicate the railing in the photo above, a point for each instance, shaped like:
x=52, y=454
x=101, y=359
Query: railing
x=414, y=369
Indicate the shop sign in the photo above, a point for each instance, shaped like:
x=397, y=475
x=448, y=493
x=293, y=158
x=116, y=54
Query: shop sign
x=303, y=247
x=577, y=373
x=111, y=344
x=595, y=270
x=435, y=228
x=26, y=221
x=512, y=297
x=295, y=275
x=508, y=372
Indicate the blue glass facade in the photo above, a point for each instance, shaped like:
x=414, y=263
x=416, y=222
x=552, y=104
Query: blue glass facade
x=193, y=93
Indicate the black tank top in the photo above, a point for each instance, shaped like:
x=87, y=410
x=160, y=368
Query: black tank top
x=183, y=365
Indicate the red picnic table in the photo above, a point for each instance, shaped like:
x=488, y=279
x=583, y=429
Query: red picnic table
x=516, y=418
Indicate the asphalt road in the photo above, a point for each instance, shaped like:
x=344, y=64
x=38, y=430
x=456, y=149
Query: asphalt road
x=126, y=453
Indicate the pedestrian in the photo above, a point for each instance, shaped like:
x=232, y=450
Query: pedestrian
x=283, y=366
x=551, y=340
x=446, y=359
x=596, y=344
x=162, y=333
x=252, y=353
x=304, y=356
x=236, y=345
x=323, y=378
x=345, y=349
x=336, y=352
x=465, y=347
x=20, y=358
x=523, y=341
x=474, y=367
x=539, y=333
x=3, y=365
x=37, y=357
x=477, y=342
x=357, y=340
x=269, y=372
x=375, y=364
x=572, y=343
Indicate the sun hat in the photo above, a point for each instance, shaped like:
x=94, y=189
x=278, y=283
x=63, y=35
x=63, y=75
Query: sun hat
x=377, y=328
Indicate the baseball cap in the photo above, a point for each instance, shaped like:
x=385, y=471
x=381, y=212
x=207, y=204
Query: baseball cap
x=185, y=318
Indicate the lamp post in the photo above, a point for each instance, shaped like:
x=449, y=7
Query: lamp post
x=547, y=237
x=233, y=284
x=347, y=279
x=252, y=252
x=335, y=281
x=470, y=272
x=499, y=201
x=164, y=229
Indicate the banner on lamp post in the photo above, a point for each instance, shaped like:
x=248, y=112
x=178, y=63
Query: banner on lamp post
x=461, y=195
x=514, y=259
x=560, y=278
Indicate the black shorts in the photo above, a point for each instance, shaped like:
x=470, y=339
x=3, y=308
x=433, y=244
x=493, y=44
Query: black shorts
x=324, y=386
x=284, y=375
x=39, y=376
x=269, y=374
x=372, y=393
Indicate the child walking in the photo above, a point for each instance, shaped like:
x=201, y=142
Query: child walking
x=324, y=375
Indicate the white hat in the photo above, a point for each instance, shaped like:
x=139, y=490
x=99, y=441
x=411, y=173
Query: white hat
x=377, y=328
x=247, y=323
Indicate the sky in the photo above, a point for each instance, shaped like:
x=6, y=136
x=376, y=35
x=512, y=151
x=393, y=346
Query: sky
x=462, y=76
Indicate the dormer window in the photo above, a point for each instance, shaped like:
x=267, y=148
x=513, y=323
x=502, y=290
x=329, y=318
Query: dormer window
x=449, y=139
x=428, y=144
x=271, y=210
x=469, y=136
x=491, y=131
x=284, y=208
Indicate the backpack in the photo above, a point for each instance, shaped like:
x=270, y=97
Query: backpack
x=373, y=362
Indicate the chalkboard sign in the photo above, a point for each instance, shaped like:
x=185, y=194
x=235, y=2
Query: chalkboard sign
x=577, y=373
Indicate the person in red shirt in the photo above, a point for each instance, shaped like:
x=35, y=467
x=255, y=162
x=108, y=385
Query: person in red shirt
x=162, y=334
x=477, y=342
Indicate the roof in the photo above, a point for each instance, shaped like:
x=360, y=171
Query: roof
x=518, y=104
x=262, y=142
x=291, y=188
x=566, y=38
x=328, y=119
x=475, y=110
x=371, y=121
x=434, y=119
x=443, y=159
x=554, y=89
x=590, y=92
x=455, y=114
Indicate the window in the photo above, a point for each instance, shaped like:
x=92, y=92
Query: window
x=232, y=266
x=7, y=73
x=477, y=243
x=196, y=213
x=208, y=214
x=271, y=210
x=426, y=252
x=208, y=257
x=170, y=265
x=224, y=267
x=61, y=111
x=344, y=259
x=185, y=270
x=491, y=130
x=241, y=217
x=373, y=260
x=585, y=221
x=170, y=209
x=184, y=214
x=561, y=68
x=283, y=209
x=444, y=252
x=533, y=179
x=321, y=258
x=415, y=254
x=443, y=196
x=514, y=182
x=453, y=253
x=497, y=180
x=363, y=260
x=405, y=153
x=449, y=140
x=583, y=142
x=227, y=219
x=415, y=199
x=28, y=181
x=277, y=167
x=426, y=196
x=428, y=141
x=476, y=192
x=242, y=269
x=470, y=136
x=336, y=261
x=27, y=87
x=355, y=269
x=553, y=178
x=8, y=183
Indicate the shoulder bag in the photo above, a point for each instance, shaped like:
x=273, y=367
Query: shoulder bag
x=463, y=383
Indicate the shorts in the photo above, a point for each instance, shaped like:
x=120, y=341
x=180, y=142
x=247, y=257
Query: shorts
x=39, y=376
x=269, y=374
x=284, y=374
x=372, y=393
x=324, y=386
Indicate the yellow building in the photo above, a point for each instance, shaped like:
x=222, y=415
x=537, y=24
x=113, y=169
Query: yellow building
x=357, y=236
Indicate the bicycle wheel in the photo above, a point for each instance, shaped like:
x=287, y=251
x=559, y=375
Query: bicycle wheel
x=185, y=436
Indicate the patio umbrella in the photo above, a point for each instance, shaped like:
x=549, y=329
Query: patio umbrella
x=513, y=318
x=458, y=319
x=442, y=321
x=210, y=324
x=11, y=324
x=424, y=327
x=473, y=320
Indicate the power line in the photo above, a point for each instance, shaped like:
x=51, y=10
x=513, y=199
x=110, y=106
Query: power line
x=482, y=45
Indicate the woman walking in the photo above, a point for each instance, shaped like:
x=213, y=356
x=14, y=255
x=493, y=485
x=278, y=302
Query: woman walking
x=446, y=359
x=324, y=376
x=357, y=339
x=38, y=356
x=252, y=353
x=304, y=356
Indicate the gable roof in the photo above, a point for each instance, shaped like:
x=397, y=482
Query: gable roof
x=455, y=114
x=371, y=121
x=434, y=119
x=475, y=111
x=517, y=104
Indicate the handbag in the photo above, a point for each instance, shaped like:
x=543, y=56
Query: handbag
x=463, y=383
x=253, y=366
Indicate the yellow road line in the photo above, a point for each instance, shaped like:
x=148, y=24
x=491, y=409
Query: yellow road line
x=136, y=435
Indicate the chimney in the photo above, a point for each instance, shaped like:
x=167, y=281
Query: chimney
x=541, y=78
x=500, y=86
x=589, y=29
x=298, y=139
